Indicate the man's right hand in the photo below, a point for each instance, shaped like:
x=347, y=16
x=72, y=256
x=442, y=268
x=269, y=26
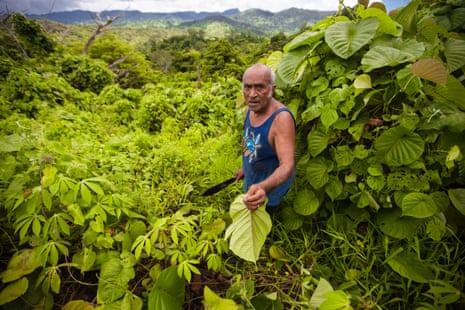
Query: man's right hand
x=239, y=174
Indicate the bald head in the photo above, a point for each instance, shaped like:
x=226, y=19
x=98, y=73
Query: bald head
x=261, y=69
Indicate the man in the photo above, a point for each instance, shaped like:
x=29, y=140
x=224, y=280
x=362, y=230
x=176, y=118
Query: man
x=268, y=162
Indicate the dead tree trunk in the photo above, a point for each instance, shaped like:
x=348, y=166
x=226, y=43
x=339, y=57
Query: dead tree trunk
x=101, y=25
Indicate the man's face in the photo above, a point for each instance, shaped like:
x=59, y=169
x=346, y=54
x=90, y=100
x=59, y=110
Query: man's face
x=257, y=89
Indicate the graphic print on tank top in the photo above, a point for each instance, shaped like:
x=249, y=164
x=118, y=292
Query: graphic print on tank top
x=251, y=145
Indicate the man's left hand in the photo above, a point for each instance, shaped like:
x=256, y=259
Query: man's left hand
x=255, y=197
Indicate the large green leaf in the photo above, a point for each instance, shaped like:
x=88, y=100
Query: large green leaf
x=291, y=66
x=457, y=18
x=13, y=291
x=168, y=291
x=454, y=50
x=457, y=196
x=318, y=139
x=386, y=24
x=409, y=83
x=334, y=187
x=318, y=296
x=305, y=38
x=291, y=220
x=248, y=230
x=328, y=116
x=21, y=263
x=384, y=56
x=399, y=146
x=306, y=202
x=346, y=38
x=452, y=92
x=406, y=15
x=411, y=267
x=336, y=300
x=318, y=172
x=392, y=224
x=214, y=302
x=114, y=279
x=418, y=205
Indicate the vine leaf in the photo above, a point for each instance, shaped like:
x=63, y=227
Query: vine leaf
x=14, y=290
x=346, y=38
x=336, y=300
x=21, y=263
x=457, y=196
x=318, y=296
x=399, y=146
x=168, y=291
x=392, y=224
x=409, y=266
x=387, y=25
x=318, y=140
x=406, y=16
x=455, y=54
x=430, y=69
x=305, y=38
x=215, y=302
x=291, y=220
x=114, y=280
x=318, y=172
x=306, y=202
x=248, y=230
x=382, y=56
x=291, y=66
x=418, y=205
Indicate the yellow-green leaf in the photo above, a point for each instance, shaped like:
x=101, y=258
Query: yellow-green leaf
x=13, y=291
x=248, y=230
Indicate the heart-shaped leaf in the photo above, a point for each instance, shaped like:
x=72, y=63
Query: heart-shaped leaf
x=248, y=230
x=409, y=266
x=399, y=146
x=418, y=205
x=168, y=292
x=430, y=69
x=454, y=50
x=346, y=38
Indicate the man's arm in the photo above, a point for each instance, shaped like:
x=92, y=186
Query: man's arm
x=282, y=139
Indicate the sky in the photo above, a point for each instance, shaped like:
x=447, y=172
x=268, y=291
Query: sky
x=162, y=6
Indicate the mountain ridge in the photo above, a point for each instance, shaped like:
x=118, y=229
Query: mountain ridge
x=258, y=21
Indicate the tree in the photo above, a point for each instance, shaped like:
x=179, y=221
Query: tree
x=221, y=58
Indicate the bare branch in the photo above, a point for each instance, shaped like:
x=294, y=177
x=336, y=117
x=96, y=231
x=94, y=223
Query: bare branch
x=101, y=25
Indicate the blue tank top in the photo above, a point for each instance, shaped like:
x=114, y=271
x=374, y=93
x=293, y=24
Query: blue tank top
x=259, y=160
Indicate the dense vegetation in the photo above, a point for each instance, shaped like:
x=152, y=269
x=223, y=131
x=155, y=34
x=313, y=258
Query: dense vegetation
x=106, y=147
x=256, y=21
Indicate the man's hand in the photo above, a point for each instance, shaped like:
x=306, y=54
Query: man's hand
x=255, y=197
x=239, y=174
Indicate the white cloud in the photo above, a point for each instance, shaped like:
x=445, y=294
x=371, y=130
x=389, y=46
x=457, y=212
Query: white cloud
x=45, y=6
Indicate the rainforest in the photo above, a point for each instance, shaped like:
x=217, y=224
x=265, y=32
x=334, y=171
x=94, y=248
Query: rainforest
x=110, y=135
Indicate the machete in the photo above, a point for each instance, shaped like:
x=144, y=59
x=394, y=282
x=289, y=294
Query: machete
x=214, y=189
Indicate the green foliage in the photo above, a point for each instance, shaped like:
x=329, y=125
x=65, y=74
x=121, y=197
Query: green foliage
x=28, y=91
x=29, y=33
x=84, y=73
x=131, y=68
x=221, y=58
